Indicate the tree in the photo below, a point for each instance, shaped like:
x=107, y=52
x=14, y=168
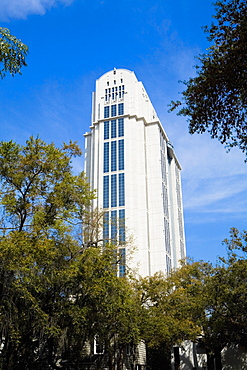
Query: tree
x=199, y=303
x=216, y=99
x=58, y=292
x=228, y=289
x=43, y=205
x=173, y=308
x=12, y=53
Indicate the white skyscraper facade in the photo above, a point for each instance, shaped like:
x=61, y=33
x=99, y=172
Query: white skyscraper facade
x=132, y=165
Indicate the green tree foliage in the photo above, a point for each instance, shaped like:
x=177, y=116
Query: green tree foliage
x=172, y=310
x=200, y=303
x=216, y=99
x=12, y=53
x=57, y=292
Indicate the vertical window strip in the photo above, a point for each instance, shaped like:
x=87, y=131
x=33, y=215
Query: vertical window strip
x=122, y=265
x=106, y=112
x=113, y=156
x=121, y=155
x=106, y=227
x=121, y=190
x=113, y=190
x=120, y=127
x=106, y=157
x=113, y=129
x=113, y=110
x=113, y=226
x=106, y=130
x=106, y=191
x=121, y=225
x=120, y=109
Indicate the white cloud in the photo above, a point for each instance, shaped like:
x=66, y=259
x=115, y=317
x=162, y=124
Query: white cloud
x=20, y=9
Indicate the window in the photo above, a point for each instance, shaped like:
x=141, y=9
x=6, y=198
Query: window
x=122, y=256
x=106, y=157
x=113, y=225
x=113, y=190
x=121, y=155
x=122, y=225
x=106, y=227
x=113, y=156
x=106, y=112
x=168, y=264
x=113, y=129
x=120, y=109
x=120, y=127
x=113, y=110
x=106, y=130
x=121, y=190
x=106, y=192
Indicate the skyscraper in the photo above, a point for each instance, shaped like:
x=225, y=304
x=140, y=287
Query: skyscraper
x=133, y=166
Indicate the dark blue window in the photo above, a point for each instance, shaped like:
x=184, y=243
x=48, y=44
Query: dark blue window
x=106, y=130
x=113, y=190
x=106, y=112
x=106, y=227
x=113, y=129
x=106, y=192
x=122, y=265
x=122, y=225
x=106, y=157
x=120, y=109
x=120, y=127
x=121, y=190
x=113, y=156
x=113, y=110
x=114, y=225
x=121, y=155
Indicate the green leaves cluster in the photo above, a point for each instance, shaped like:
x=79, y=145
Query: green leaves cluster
x=216, y=99
x=12, y=53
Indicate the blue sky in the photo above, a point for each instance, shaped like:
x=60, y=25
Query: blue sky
x=72, y=43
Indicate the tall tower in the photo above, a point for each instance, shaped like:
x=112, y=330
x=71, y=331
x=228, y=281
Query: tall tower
x=132, y=164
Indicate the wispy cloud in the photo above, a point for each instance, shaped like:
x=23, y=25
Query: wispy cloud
x=10, y=9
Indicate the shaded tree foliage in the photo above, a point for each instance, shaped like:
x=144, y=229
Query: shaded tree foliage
x=12, y=53
x=216, y=99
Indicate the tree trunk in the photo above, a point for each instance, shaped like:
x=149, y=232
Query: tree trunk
x=218, y=359
x=210, y=361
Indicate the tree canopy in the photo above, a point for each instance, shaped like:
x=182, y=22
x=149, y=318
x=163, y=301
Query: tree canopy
x=216, y=99
x=57, y=290
x=12, y=53
x=200, y=303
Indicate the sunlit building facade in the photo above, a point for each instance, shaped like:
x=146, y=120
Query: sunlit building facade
x=133, y=166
